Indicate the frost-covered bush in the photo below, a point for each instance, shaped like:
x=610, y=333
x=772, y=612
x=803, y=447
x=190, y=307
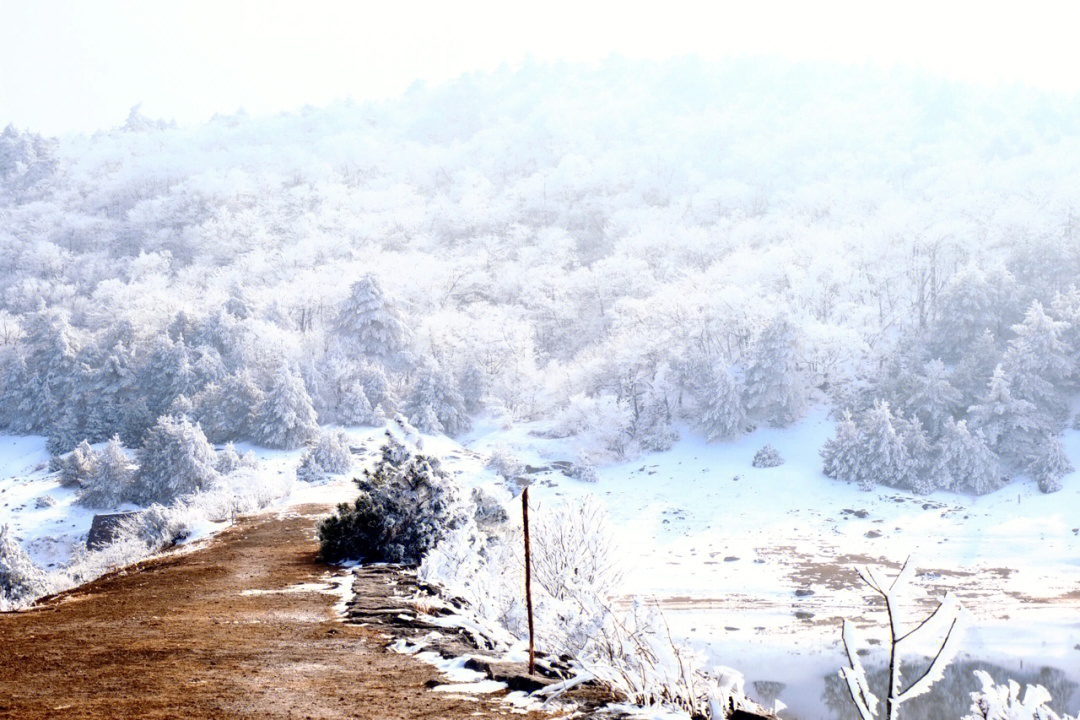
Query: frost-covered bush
x=228, y=460
x=489, y=511
x=110, y=479
x=175, y=460
x=329, y=456
x=20, y=579
x=575, y=576
x=77, y=466
x=505, y=463
x=1004, y=702
x=583, y=469
x=405, y=506
x=767, y=457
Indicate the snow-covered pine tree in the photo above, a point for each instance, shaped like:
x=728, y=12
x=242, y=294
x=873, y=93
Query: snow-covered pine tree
x=976, y=367
x=165, y=373
x=370, y=320
x=354, y=408
x=842, y=453
x=883, y=459
x=722, y=413
x=964, y=461
x=51, y=367
x=1013, y=427
x=1049, y=464
x=286, y=418
x=109, y=481
x=330, y=455
x=226, y=410
x=933, y=400
x=78, y=465
x=174, y=460
x=774, y=389
x=435, y=404
x=917, y=475
x=974, y=302
x=1038, y=364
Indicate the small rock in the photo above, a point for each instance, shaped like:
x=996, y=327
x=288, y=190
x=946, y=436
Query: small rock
x=861, y=514
x=730, y=558
x=804, y=592
x=803, y=614
x=873, y=534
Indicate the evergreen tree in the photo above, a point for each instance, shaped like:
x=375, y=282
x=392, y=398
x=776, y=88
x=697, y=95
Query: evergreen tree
x=165, y=373
x=722, y=415
x=842, y=454
x=1012, y=426
x=884, y=459
x=975, y=302
x=330, y=455
x=774, y=389
x=370, y=321
x=1038, y=363
x=286, y=418
x=435, y=405
x=976, y=367
x=226, y=410
x=1049, y=464
x=109, y=481
x=174, y=460
x=934, y=399
x=964, y=461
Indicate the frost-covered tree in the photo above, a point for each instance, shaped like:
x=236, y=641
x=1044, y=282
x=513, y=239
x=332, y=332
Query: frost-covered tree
x=166, y=373
x=20, y=579
x=884, y=458
x=976, y=301
x=77, y=466
x=842, y=453
x=1013, y=427
x=1038, y=364
x=774, y=388
x=405, y=506
x=110, y=479
x=330, y=455
x=285, y=418
x=934, y=400
x=1049, y=464
x=964, y=461
x=227, y=410
x=370, y=320
x=945, y=619
x=435, y=405
x=767, y=457
x=722, y=413
x=174, y=460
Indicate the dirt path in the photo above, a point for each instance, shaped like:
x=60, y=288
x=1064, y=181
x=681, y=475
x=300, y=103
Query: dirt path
x=177, y=637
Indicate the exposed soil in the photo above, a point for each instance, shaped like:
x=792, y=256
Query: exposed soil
x=177, y=637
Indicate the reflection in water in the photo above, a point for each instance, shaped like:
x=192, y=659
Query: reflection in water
x=950, y=698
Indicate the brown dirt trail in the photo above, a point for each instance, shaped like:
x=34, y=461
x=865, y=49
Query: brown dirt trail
x=174, y=637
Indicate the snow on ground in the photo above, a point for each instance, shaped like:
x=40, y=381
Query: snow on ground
x=724, y=548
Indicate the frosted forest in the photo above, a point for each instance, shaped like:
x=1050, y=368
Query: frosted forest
x=627, y=262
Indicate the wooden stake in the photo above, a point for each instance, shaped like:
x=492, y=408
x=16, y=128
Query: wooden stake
x=528, y=577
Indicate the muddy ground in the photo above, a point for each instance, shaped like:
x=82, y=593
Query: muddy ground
x=183, y=636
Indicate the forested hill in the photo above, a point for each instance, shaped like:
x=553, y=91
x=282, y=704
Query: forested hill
x=625, y=250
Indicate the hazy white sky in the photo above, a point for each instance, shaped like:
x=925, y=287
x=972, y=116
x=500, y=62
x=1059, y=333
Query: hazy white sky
x=81, y=65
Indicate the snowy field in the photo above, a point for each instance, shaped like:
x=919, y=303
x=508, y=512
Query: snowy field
x=753, y=566
x=724, y=547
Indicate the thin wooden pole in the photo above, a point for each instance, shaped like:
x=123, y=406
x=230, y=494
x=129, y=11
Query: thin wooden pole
x=528, y=577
